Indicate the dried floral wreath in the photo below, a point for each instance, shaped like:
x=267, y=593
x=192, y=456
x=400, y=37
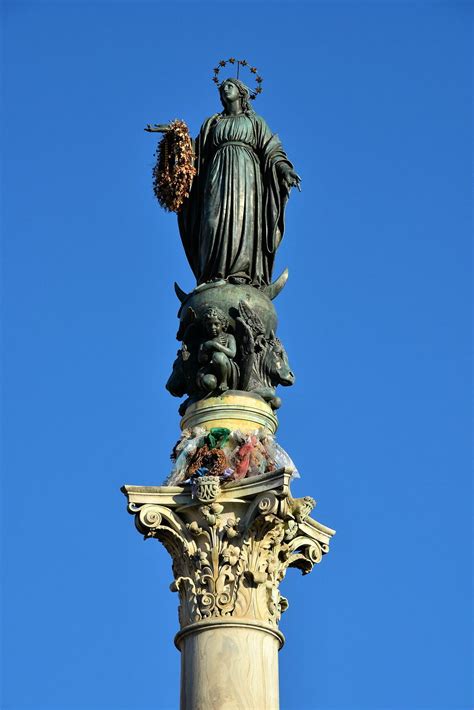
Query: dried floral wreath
x=214, y=460
x=240, y=63
x=174, y=170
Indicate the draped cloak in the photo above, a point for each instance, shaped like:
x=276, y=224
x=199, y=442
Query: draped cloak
x=233, y=220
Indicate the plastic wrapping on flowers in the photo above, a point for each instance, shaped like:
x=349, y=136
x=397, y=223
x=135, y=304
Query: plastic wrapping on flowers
x=229, y=454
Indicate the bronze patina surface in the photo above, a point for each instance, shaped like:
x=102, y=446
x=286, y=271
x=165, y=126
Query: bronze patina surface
x=231, y=224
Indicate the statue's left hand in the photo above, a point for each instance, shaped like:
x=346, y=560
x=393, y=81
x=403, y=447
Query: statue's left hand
x=290, y=179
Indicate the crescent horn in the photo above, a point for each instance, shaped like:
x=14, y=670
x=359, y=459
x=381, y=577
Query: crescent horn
x=182, y=295
x=272, y=290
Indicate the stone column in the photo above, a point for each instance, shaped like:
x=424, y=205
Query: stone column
x=230, y=547
x=229, y=664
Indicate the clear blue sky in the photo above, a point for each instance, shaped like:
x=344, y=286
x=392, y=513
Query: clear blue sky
x=372, y=102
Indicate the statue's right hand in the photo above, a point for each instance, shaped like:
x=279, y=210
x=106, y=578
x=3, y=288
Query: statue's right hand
x=157, y=128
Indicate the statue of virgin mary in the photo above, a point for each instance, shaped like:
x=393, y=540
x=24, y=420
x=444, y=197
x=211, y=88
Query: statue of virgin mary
x=232, y=222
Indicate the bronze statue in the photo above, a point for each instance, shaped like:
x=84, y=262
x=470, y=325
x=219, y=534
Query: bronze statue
x=229, y=187
x=233, y=220
x=216, y=354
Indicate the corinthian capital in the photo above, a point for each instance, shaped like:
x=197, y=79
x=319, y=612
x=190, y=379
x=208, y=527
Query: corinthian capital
x=231, y=546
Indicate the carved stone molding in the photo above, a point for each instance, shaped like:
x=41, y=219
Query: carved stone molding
x=231, y=546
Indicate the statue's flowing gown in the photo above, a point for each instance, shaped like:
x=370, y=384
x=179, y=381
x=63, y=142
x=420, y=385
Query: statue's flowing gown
x=233, y=220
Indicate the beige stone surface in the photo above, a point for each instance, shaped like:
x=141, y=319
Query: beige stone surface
x=229, y=668
x=231, y=547
x=234, y=411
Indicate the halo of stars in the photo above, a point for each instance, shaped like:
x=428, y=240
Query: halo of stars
x=240, y=63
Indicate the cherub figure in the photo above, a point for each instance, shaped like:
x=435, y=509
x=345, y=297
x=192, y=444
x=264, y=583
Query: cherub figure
x=216, y=354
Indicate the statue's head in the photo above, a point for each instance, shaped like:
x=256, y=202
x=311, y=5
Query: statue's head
x=231, y=89
x=214, y=321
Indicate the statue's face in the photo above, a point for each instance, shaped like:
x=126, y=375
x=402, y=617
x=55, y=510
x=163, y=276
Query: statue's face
x=213, y=326
x=229, y=91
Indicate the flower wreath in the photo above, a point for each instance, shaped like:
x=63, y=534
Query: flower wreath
x=214, y=460
x=240, y=63
x=174, y=169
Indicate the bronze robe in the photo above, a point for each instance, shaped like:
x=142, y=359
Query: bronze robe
x=233, y=220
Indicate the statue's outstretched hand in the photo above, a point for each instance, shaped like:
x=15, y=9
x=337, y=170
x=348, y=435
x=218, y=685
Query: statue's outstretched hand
x=157, y=128
x=290, y=179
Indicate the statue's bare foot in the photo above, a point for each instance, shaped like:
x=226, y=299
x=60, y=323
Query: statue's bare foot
x=239, y=280
x=209, y=284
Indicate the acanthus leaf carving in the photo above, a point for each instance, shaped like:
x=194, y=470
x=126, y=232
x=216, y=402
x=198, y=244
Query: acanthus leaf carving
x=230, y=556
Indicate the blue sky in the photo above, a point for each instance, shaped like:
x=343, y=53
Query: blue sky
x=372, y=102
